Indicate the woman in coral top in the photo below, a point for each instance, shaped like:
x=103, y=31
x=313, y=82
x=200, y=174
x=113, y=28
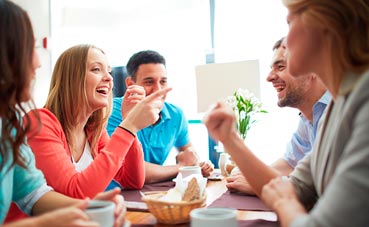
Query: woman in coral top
x=73, y=149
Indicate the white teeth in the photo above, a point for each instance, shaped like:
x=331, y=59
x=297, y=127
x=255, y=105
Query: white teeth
x=103, y=90
x=279, y=89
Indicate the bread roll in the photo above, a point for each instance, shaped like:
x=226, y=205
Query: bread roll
x=192, y=191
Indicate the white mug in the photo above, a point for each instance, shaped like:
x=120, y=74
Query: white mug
x=189, y=170
x=214, y=217
x=101, y=212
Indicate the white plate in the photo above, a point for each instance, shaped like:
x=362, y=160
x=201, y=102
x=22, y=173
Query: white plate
x=215, y=177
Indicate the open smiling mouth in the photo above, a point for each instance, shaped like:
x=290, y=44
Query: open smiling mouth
x=279, y=88
x=103, y=90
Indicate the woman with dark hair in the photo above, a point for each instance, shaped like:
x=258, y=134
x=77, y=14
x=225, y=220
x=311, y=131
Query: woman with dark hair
x=20, y=181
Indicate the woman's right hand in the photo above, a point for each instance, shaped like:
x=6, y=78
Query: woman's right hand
x=146, y=112
x=133, y=95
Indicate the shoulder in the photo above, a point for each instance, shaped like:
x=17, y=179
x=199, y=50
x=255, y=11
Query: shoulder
x=117, y=103
x=354, y=90
x=171, y=108
x=45, y=115
x=361, y=91
x=173, y=112
x=47, y=118
x=357, y=104
x=117, y=100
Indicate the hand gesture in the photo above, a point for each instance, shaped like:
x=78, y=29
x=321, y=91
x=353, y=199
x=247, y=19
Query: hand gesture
x=132, y=96
x=145, y=112
x=220, y=122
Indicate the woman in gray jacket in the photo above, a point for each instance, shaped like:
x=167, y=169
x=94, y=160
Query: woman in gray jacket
x=330, y=186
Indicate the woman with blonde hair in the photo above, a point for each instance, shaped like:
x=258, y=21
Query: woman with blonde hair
x=21, y=182
x=73, y=149
x=330, y=186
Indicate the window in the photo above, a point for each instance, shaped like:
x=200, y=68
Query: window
x=180, y=31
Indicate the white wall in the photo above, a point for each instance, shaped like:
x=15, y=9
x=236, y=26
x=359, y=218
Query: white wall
x=179, y=29
x=39, y=13
x=247, y=30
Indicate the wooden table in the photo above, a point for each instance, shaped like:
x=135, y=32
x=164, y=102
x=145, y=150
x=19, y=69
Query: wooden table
x=214, y=190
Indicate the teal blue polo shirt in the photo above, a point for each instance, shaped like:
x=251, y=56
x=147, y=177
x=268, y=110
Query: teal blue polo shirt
x=159, y=139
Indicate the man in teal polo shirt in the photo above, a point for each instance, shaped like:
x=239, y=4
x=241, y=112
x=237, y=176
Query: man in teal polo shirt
x=147, y=74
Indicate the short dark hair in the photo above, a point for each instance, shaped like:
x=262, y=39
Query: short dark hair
x=278, y=43
x=143, y=57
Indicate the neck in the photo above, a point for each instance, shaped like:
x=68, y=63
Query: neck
x=306, y=108
x=78, y=137
x=82, y=121
x=330, y=71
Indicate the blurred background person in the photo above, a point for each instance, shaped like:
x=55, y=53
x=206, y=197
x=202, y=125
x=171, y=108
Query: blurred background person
x=21, y=182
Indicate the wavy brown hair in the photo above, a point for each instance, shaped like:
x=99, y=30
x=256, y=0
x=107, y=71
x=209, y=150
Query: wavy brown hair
x=17, y=45
x=68, y=92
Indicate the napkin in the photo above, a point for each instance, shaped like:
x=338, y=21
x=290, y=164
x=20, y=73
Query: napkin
x=176, y=194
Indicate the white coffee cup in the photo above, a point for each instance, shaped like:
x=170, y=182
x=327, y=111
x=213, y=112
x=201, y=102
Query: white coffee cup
x=102, y=212
x=189, y=170
x=214, y=217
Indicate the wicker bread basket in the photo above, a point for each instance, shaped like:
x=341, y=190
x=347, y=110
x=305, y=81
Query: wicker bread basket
x=171, y=212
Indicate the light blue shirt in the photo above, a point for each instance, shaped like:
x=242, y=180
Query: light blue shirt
x=23, y=186
x=303, y=139
x=158, y=140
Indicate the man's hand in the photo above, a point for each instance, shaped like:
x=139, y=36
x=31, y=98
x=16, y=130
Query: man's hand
x=187, y=158
x=206, y=168
x=238, y=183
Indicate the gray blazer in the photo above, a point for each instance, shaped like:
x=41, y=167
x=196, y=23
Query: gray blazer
x=333, y=180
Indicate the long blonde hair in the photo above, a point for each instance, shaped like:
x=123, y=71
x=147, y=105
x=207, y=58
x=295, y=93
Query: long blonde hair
x=68, y=92
x=346, y=21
